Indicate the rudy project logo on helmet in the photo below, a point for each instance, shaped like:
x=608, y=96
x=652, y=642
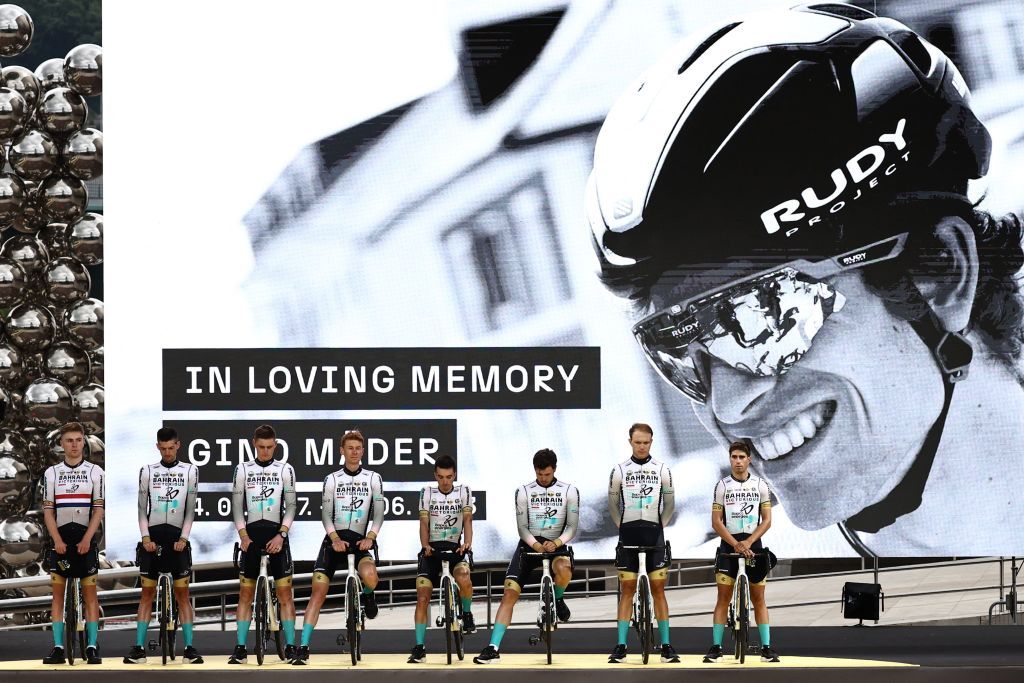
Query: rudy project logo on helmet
x=855, y=171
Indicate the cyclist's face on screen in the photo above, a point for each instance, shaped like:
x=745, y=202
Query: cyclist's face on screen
x=352, y=451
x=168, y=449
x=844, y=423
x=265, y=448
x=545, y=476
x=445, y=479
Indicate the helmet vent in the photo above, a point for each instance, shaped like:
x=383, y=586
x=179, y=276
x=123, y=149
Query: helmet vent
x=845, y=11
x=915, y=50
x=708, y=42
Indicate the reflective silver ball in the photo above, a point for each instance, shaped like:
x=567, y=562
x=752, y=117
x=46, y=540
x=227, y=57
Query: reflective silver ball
x=23, y=81
x=21, y=541
x=28, y=252
x=90, y=404
x=83, y=323
x=83, y=154
x=85, y=239
x=96, y=356
x=34, y=155
x=62, y=111
x=16, y=30
x=12, y=371
x=30, y=327
x=63, y=198
x=83, y=69
x=95, y=450
x=15, y=485
x=68, y=363
x=50, y=74
x=54, y=237
x=48, y=402
x=66, y=280
x=12, y=282
x=13, y=195
x=12, y=113
x=31, y=219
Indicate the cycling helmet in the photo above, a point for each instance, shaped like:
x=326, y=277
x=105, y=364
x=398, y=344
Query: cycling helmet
x=778, y=137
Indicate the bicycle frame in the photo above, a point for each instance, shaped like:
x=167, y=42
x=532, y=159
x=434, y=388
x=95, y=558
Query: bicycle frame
x=353, y=609
x=739, y=607
x=167, y=614
x=74, y=618
x=547, y=621
x=448, y=593
x=643, y=602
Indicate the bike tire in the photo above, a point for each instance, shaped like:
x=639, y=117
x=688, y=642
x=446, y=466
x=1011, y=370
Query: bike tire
x=163, y=619
x=742, y=620
x=644, y=618
x=352, y=619
x=278, y=634
x=449, y=616
x=548, y=627
x=70, y=620
x=261, y=619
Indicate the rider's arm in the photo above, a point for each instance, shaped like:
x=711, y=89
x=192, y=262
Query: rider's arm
x=615, y=495
x=467, y=517
x=668, y=496
x=523, y=517
x=49, y=506
x=572, y=516
x=765, y=505
x=289, y=497
x=425, y=517
x=327, y=507
x=191, y=492
x=97, y=504
x=377, y=494
x=144, y=503
x=238, y=501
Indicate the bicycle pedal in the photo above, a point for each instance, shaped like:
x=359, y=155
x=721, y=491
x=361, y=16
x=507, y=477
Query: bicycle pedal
x=439, y=622
x=152, y=645
x=534, y=640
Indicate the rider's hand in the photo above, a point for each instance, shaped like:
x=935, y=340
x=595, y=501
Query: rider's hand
x=463, y=549
x=245, y=543
x=743, y=549
x=149, y=546
x=179, y=545
x=365, y=544
x=83, y=546
x=427, y=551
x=338, y=545
x=60, y=546
x=275, y=544
x=537, y=547
x=549, y=546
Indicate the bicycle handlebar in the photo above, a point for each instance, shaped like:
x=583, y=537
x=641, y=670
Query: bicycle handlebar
x=644, y=548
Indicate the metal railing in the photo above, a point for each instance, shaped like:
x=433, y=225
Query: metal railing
x=488, y=592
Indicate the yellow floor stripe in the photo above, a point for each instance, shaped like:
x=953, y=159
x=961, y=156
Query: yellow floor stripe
x=437, y=661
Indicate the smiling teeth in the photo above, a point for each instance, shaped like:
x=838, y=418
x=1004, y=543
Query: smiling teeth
x=793, y=434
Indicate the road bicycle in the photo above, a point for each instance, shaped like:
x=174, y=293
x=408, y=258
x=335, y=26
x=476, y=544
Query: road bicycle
x=355, y=618
x=74, y=619
x=547, y=617
x=643, y=605
x=739, y=607
x=266, y=609
x=450, y=617
x=167, y=614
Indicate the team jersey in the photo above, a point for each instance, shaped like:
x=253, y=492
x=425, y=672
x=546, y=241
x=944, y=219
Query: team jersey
x=641, y=492
x=263, y=492
x=352, y=500
x=167, y=495
x=549, y=512
x=72, y=492
x=741, y=502
x=444, y=511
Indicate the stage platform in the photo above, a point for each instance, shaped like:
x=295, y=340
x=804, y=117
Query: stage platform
x=842, y=654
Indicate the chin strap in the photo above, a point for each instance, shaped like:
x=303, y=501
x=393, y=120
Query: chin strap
x=953, y=354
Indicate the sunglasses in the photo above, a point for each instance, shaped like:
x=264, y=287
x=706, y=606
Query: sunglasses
x=761, y=325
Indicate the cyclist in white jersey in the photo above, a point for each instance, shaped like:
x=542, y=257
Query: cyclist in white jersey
x=73, y=511
x=548, y=516
x=263, y=505
x=740, y=514
x=352, y=511
x=641, y=500
x=167, y=503
x=446, y=511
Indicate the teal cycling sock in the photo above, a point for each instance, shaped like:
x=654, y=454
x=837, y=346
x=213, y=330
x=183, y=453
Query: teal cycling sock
x=367, y=590
x=467, y=604
x=140, y=633
x=663, y=630
x=623, y=630
x=421, y=633
x=289, y=631
x=92, y=630
x=58, y=633
x=243, y=631
x=186, y=630
x=497, y=635
x=762, y=630
x=717, y=633
x=307, y=634
x=559, y=592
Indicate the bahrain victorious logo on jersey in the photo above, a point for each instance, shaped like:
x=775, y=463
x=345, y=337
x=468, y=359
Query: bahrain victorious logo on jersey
x=858, y=172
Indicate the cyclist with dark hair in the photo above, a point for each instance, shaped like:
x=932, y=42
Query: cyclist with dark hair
x=820, y=156
x=548, y=516
x=446, y=525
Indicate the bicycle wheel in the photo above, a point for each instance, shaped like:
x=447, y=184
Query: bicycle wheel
x=278, y=633
x=261, y=618
x=459, y=635
x=449, y=615
x=352, y=618
x=163, y=619
x=70, y=619
x=547, y=596
x=742, y=618
x=643, y=591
